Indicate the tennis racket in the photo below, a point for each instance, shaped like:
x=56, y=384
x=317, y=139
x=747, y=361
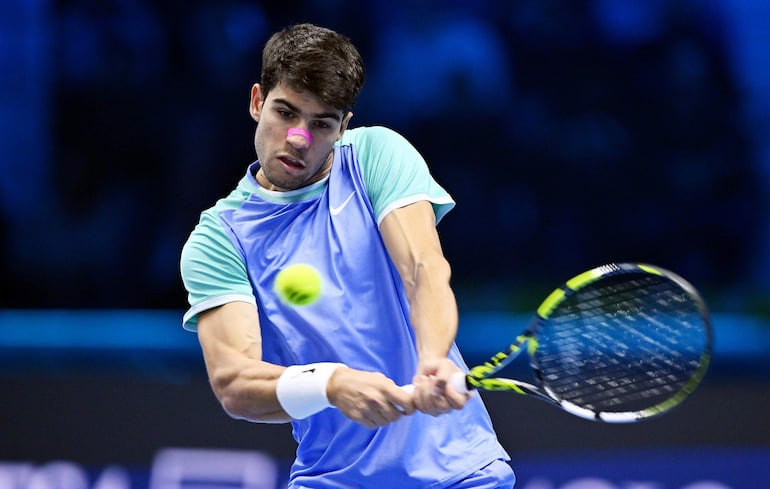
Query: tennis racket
x=619, y=343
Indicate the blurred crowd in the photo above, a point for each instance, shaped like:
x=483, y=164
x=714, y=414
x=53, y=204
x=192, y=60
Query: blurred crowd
x=571, y=133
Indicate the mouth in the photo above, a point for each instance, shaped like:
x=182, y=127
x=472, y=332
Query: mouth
x=291, y=162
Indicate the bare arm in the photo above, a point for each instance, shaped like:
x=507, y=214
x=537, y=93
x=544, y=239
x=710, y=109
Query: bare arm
x=412, y=240
x=232, y=349
x=246, y=386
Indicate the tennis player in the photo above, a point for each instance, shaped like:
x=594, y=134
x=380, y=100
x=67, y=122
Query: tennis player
x=360, y=205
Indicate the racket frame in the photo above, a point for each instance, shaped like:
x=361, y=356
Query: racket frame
x=481, y=377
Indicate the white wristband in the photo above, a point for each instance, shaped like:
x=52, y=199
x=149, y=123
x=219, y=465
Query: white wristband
x=301, y=389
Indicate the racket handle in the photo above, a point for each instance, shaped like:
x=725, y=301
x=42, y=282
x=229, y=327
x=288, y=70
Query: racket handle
x=457, y=381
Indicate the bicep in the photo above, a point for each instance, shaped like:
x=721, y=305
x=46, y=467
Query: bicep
x=229, y=336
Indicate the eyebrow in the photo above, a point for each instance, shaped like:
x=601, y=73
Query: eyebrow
x=322, y=115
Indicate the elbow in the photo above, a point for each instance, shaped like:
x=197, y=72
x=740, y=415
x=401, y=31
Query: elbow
x=433, y=269
x=225, y=389
x=236, y=406
x=229, y=401
x=232, y=408
x=245, y=399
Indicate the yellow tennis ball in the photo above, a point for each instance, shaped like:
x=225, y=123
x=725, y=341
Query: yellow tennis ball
x=298, y=285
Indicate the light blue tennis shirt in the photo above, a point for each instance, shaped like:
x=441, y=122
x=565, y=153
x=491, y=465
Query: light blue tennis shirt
x=362, y=319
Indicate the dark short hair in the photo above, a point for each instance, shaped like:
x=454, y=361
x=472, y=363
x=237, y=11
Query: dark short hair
x=316, y=59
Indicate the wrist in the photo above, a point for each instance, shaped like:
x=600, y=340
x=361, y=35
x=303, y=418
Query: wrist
x=301, y=389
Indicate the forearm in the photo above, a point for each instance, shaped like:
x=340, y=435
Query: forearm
x=434, y=319
x=433, y=308
x=369, y=398
x=413, y=243
x=251, y=389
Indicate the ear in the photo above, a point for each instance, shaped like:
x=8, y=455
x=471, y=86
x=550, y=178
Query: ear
x=344, y=125
x=255, y=104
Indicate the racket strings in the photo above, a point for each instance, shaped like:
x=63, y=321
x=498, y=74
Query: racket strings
x=612, y=393
x=621, y=345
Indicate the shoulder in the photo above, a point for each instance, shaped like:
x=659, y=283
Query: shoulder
x=375, y=139
x=394, y=171
x=212, y=268
x=380, y=150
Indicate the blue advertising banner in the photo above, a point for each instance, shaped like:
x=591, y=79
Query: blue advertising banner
x=179, y=468
x=696, y=468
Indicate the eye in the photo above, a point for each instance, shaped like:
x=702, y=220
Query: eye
x=321, y=125
x=285, y=113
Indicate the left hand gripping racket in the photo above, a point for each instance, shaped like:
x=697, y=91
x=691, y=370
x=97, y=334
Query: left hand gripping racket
x=619, y=343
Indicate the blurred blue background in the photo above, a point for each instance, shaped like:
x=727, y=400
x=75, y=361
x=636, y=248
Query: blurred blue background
x=571, y=133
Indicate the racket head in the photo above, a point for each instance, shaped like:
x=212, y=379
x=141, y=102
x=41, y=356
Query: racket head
x=621, y=343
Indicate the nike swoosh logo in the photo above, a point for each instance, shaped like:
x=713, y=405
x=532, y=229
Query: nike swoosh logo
x=336, y=210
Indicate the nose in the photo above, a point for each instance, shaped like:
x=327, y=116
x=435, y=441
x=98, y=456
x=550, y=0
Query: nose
x=299, y=137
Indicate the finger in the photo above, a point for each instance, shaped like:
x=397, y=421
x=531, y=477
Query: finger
x=367, y=423
x=426, y=400
x=455, y=399
x=379, y=418
x=431, y=402
x=383, y=412
x=445, y=397
x=440, y=403
x=404, y=408
x=403, y=399
x=419, y=397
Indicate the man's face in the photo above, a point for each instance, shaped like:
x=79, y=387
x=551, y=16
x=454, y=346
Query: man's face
x=288, y=163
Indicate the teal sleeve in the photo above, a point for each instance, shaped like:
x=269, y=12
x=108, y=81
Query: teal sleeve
x=395, y=173
x=212, y=270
